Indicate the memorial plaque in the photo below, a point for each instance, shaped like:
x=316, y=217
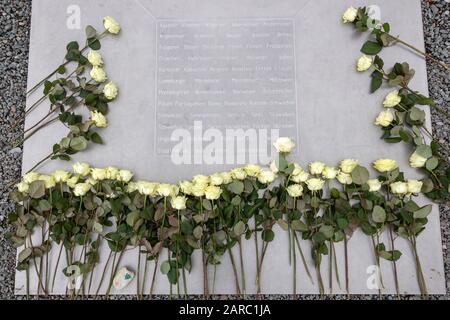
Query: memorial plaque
x=200, y=80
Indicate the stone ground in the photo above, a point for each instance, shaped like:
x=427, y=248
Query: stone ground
x=15, y=16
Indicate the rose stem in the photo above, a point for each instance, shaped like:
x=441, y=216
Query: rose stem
x=303, y=258
x=144, y=280
x=138, y=272
x=233, y=263
x=257, y=257
x=377, y=261
x=420, y=278
x=103, y=273
x=330, y=267
x=113, y=272
x=394, y=263
x=154, y=276
x=336, y=265
x=37, y=273
x=56, y=266
x=346, y=265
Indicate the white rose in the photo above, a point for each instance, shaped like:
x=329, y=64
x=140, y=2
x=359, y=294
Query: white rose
x=329, y=173
x=392, y=99
x=295, y=190
x=201, y=180
x=349, y=15
x=414, y=186
x=252, y=170
x=301, y=177
x=125, y=175
x=348, y=165
x=417, y=161
x=111, y=25
x=132, y=187
x=385, y=118
x=385, y=165
x=111, y=173
x=22, y=187
x=178, y=203
x=98, y=74
x=61, y=176
x=374, y=185
x=99, y=119
x=110, y=91
x=31, y=177
x=284, y=145
x=165, y=190
x=266, y=176
x=83, y=169
x=198, y=189
x=216, y=179
x=81, y=189
x=344, y=178
x=72, y=181
x=399, y=188
x=315, y=184
x=49, y=181
x=226, y=177
x=213, y=192
x=273, y=166
x=95, y=58
x=364, y=63
x=186, y=187
x=147, y=188
x=238, y=174
x=316, y=167
x=297, y=169
x=98, y=174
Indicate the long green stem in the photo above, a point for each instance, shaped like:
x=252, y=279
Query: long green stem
x=426, y=55
x=305, y=265
x=394, y=263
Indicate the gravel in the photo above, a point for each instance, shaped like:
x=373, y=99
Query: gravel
x=15, y=19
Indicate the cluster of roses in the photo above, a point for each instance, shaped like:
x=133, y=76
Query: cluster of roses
x=98, y=74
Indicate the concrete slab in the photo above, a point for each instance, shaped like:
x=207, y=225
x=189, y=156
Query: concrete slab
x=327, y=109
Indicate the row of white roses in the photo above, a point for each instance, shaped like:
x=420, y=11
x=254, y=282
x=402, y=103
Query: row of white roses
x=209, y=186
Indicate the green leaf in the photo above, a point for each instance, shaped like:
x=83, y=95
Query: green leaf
x=237, y=187
x=376, y=83
x=360, y=175
x=44, y=205
x=78, y=143
x=186, y=227
x=90, y=32
x=371, y=48
x=327, y=231
x=283, y=224
x=132, y=217
x=165, y=267
x=432, y=163
x=424, y=151
x=268, y=235
x=24, y=255
x=198, y=232
x=239, y=228
x=423, y=212
x=299, y=225
x=207, y=204
x=342, y=223
x=94, y=44
x=95, y=138
x=72, y=45
x=378, y=214
x=37, y=189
